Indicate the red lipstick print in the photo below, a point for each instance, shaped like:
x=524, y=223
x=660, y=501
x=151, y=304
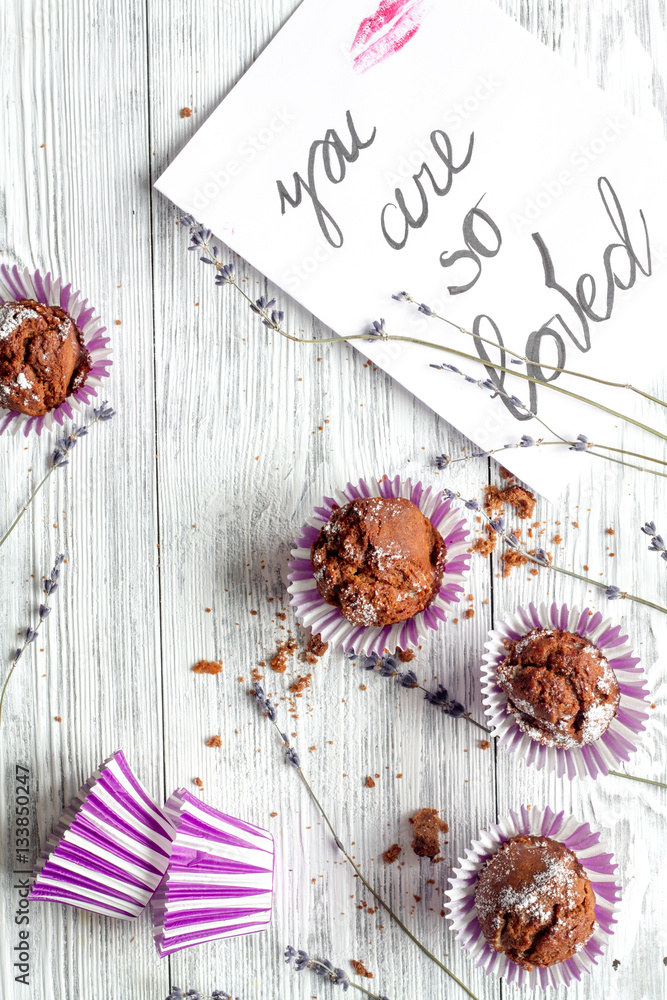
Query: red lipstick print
x=385, y=32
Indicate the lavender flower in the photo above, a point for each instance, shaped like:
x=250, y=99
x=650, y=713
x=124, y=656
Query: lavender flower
x=581, y=444
x=426, y=310
x=226, y=275
x=613, y=593
x=324, y=969
x=103, y=412
x=657, y=541
x=378, y=331
x=526, y=441
x=401, y=297
x=442, y=461
x=387, y=666
x=263, y=701
x=440, y=698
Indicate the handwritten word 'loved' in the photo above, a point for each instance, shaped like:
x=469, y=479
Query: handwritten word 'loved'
x=621, y=264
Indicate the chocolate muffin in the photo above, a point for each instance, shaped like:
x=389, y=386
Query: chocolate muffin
x=535, y=902
x=560, y=687
x=379, y=561
x=42, y=357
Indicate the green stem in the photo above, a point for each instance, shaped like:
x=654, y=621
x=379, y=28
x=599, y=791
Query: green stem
x=376, y=896
x=553, y=368
x=24, y=509
x=633, y=777
x=458, y=354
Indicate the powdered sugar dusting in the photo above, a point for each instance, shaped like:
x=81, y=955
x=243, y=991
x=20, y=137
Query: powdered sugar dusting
x=11, y=317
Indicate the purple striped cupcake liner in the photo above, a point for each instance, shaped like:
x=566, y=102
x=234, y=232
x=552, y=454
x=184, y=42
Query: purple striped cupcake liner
x=615, y=745
x=314, y=613
x=219, y=881
x=27, y=284
x=110, y=848
x=592, y=855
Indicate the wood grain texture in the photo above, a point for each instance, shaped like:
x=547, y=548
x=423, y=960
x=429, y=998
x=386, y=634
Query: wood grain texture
x=225, y=437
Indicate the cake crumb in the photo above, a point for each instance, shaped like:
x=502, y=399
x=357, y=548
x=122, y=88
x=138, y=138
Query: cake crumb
x=198, y=782
x=405, y=655
x=315, y=648
x=214, y=741
x=427, y=827
x=390, y=855
x=369, y=782
x=273, y=815
x=469, y=613
x=522, y=500
x=360, y=969
x=186, y=112
x=279, y=661
x=484, y=744
x=57, y=718
x=300, y=684
x=485, y=544
x=207, y=667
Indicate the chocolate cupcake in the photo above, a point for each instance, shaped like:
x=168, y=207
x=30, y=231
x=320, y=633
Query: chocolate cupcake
x=560, y=687
x=378, y=560
x=535, y=902
x=43, y=358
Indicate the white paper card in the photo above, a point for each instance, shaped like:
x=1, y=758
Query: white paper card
x=435, y=147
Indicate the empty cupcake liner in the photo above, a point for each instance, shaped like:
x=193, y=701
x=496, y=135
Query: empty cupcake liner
x=27, y=284
x=110, y=848
x=219, y=881
x=314, y=613
x=597, y=862
x=615, y=745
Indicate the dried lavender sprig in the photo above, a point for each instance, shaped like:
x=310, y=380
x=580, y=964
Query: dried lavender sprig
x=520, y=358
x=50, y=587
x=657, y=541
x=387, y=666
x=540, y=559
x=582, y=444
x=325, y=970
x=178, y=994
x=60, y=456
x=271, y=318
x=292, y=758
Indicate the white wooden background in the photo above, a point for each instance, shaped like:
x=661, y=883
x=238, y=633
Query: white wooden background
x=189, y=501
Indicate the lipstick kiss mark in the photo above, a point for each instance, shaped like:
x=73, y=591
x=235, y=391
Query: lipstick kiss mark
x=385, y=32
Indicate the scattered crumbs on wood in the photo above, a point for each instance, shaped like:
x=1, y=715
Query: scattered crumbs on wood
x=469, y=613
x=214, y=741
x=186, y=112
